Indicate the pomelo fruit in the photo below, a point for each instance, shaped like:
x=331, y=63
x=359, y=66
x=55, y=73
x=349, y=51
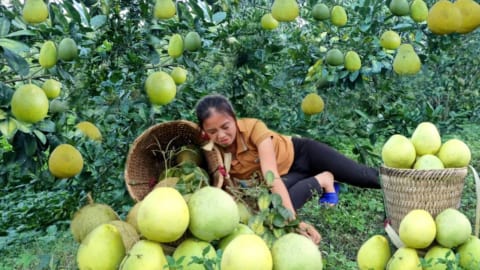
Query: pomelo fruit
x=352, y=61
x=453, y=228
x=404, y=259
x=65, y=161
x=131, y=217
x=29, y=103
x=469, y=11
x=164, y=9
x=129, y=234
x=179, y=75
x=398, y=152
x=90, y=130
x=428, y=162
x=48, y=55
x=390, y=40
x=241, y=229
x=469, y=253
x=144, y=255
x=334, y=57
x=101, y=249
x=320, y=12
x=417, y=229
x=285, y=10
x=374, y=253
x=67, y=49
x=213, y=213
x=295, y=251
x=268, y=22
x=444, y=18
x=454, y=153
x=52, y=88
x=163, y=215
x=312, y=104
x=418, y=11
x=192, y=247
x=426, y=139
x=192, y=41
x=439, y=257
x=175, y=46
x=399, y=7
x=338, y=16
x=406, y=61
x=244, y=212
x=247, y=251
x=161, y=88
x=34, y=11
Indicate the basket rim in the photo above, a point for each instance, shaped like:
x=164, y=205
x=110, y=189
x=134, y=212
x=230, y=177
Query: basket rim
x=386, y=168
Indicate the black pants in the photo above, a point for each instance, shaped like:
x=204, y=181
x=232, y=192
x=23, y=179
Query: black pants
x=311, y=158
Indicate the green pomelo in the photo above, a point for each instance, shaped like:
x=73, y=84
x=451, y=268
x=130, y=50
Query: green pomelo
x=29, y=103
x=247, y=251
x=295, y=251
x=417, y=229
x=398, y=152
x=89, y=217
x=454, y=153
x=374, y=253
x=438, y=258
x=101, y=249
x=320, y=12
x=48, y=55
x=58, y=106
x=428, y=162
x=469, y=253
x=67, y=49
x=213, y=213
x=192, y=41
x=399, y=7
x=285, y=10
x=163, y=215
x=426, y=139
x=334, y=57
x=164, y=9
x=129, y=235
x=241, y=229
x=175, y=46
x=453, y=228
x=34, y=11
x=144, y=255
x=404, y=259
x=161, y=88
x=192, y=247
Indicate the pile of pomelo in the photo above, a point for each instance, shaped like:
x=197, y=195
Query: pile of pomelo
x=169, y=230
x=425, y=150
x=425, y=242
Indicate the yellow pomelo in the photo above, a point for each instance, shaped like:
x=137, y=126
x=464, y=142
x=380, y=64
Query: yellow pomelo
x=285, y=10
x=320, y=12
x=417, y=229
x=189, y=153
x=418, y=11
x=404, y=259
x=295, y=251
x=338, y=16
x=67, y=49
x=213, y=213
x=374, y=253
x=192, y=247
x=439, y=257
x=428, y=162
x=144, y=255
x=179, y=75
x=48, y=55
x=164, y=9
x=334, y=57
x=268, y=22
x=129, y=235
x=89, y=217
x=398, y=152
x=34, y=11
x=192, y=41
x=390, y=40
x=161, y=88
x=444, y=18
x=312, y=104
x=89, y=130
x=65, y=161
x=131, y=217
x=453, y=228
x=29, y=103
x=175, y=46
x=163, y=215
x=247, y=251
x=52, y=88
x=241, y=229
x=469, y=253
x=399, y=7
x=406, y=61
x=454, y=153
x=352, y=61
x=470, y=13
x=426, y=139
x=101, y=249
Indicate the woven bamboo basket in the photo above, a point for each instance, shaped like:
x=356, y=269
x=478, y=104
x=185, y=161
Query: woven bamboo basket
x=145, y=161
x=431, y=190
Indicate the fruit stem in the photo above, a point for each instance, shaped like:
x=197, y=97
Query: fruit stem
x=89, y=198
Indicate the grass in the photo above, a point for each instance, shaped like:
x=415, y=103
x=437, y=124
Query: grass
x=359, y=215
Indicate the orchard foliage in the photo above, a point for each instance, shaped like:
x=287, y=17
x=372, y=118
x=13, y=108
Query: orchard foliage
x=265, y=73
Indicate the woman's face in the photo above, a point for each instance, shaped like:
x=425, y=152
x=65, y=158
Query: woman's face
x=221, y=128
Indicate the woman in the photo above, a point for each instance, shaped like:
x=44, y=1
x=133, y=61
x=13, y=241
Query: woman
x=301, y=166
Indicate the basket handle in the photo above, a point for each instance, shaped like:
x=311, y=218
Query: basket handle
x=477, y=189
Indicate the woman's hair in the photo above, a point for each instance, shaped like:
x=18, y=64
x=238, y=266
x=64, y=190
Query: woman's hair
x=210, y=103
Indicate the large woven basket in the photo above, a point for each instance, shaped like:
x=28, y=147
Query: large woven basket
x=145, y=161
x=431, y=190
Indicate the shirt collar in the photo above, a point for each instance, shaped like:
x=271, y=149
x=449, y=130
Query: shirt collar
x=241, y=130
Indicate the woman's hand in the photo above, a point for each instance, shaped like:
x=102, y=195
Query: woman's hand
x=310, y=232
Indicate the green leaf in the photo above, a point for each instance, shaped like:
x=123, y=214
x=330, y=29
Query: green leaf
x=13, y=45
x=16, y=62
x=73, y=12
x=219, y=17
x=21, y=33
x=269, y=177
x=98, y=21
x=4, y=26
x=40, y=136
x=46, y=126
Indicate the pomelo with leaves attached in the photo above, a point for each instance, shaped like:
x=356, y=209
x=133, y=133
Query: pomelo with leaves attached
x=29, y=103
x=192, y=247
